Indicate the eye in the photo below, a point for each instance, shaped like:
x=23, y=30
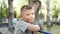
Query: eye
x=27, y=14
x=32, y=13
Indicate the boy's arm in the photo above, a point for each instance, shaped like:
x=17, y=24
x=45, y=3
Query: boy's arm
x=23, y=26
x=34, y=28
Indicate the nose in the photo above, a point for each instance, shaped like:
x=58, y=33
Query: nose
x=32, y=16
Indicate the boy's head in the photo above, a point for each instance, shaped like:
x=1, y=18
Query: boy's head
x=27, y=14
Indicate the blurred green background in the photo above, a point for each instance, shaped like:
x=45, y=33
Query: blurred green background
x=17, y=4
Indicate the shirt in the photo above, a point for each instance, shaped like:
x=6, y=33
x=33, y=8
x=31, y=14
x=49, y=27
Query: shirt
x=21, y=27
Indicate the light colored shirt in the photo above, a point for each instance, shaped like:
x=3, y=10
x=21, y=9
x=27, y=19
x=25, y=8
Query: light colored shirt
x=21, y=27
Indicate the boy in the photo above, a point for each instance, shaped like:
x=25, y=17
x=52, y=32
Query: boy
x=25, y=24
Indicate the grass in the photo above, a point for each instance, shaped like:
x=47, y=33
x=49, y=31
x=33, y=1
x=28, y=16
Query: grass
x=55, y=29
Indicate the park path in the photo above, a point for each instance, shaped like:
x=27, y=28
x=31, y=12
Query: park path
x=4, y=30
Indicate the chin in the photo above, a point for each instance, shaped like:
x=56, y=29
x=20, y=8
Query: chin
x=31, y=22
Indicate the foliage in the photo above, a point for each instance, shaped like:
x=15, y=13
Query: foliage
x=56, y=11
x=56, y=8
x=15, y=14
x=4, y=10
x=21, y=3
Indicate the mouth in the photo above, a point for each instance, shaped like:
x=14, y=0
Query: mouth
x=30, y=19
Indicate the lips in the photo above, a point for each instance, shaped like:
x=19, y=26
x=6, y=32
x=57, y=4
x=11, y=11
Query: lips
x=30, y=19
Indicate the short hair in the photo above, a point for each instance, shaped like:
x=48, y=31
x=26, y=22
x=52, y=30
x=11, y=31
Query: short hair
x=26, y=7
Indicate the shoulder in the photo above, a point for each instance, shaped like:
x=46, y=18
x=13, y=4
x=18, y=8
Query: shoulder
x=21, y=23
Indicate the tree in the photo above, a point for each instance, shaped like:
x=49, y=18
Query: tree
x=48, y=16
x=11, y=15
x=4, y=10
x=56, y=11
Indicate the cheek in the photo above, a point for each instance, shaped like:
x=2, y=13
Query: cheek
x=34, y=16
x=26, y=18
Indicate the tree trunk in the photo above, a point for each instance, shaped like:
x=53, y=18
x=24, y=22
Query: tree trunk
x=10, y=14
x=48, y=16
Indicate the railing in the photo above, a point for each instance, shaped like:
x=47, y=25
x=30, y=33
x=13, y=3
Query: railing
x=45, y=32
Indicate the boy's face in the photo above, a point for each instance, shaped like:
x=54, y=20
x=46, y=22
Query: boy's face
x=28, y=16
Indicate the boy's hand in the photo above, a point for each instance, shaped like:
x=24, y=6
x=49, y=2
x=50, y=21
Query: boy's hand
x=37, y=26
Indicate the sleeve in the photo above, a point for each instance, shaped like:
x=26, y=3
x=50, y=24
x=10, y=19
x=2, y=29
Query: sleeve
x=22, y=25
